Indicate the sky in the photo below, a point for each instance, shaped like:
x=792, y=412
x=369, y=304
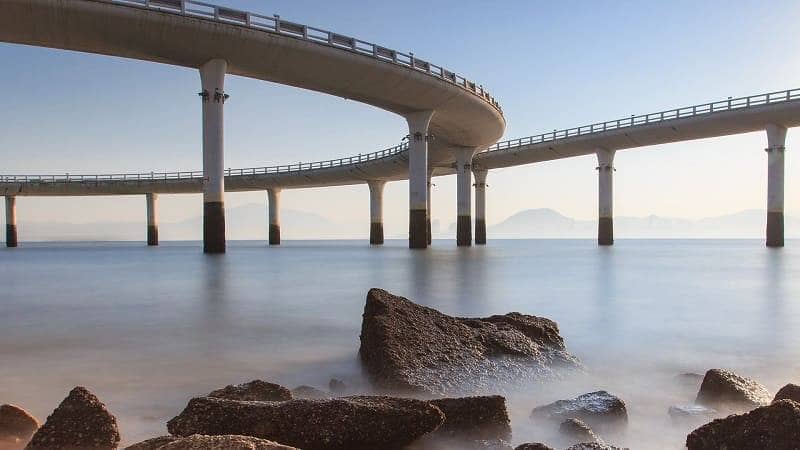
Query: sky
x=552, y=65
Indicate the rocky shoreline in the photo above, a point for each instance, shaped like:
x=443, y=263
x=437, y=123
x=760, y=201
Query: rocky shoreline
x=433, y=372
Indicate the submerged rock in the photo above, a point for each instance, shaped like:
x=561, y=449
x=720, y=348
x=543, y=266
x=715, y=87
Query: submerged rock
x=788, y=392
x=16, y=427
x=594, y=446
x=691, y=413
x=575, y=431
x=774, y=427
x=337, y=386
x=81, y=421
x=201, y=442
x=599, y=409
x=309, y=393
x=256, y=390
x=725, y=390
x=533, y=446
x=349, y=423
x=412, y=348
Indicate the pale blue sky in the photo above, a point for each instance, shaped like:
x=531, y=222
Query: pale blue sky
x=551, y=65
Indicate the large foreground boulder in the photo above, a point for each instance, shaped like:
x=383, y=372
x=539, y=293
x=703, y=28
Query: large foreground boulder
x=256, y=391
x=773, y=427
x=16, y=427
x=601, y=410
x=81, y=421
x=411, y=348
x=201, y=442
x=349, y=423
x=727, y=391
x=788, y=392
x=474, y=417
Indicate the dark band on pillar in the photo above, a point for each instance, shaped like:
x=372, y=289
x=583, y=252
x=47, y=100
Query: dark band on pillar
x=376, y=233
x=774, y=229
x=429, y=230
x=152, y=235
x=214, y=227
x=274, y=234
x=480, y=231
x=11, y=235
x=417, y=229
x=605, y=231
x=464, y=231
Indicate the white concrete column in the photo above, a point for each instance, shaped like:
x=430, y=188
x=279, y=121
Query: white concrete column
x=480, y=205
x=274, y=195
x=605, y=171
x=11, y=221
x=776, y=141
x=212, y=77
x=418, y=136
x=152, y=219
x=376, y=211
x=464, y=196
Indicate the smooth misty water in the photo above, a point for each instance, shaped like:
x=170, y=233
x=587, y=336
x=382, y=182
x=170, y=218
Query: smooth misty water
x=147, y=328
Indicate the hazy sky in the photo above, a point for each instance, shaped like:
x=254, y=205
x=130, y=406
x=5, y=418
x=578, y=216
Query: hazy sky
x=550, y=64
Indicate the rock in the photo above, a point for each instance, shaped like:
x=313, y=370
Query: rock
x=309, y=393
x=357, y=423
x=412, y=348
x=432, y=443
x=774, y=427
x=691, y=413
x=600, y=410
x=16, y=427
x=336, y=386
x=81, y=421
x=476, y=418
x=256, y=390
x=725, y=390
x=153, y=444
x=594, y=446
x=788, y=392
x=201, y=442
x=533, y=446
x=575, y=431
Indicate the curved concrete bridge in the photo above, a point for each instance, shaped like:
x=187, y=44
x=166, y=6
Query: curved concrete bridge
x=453, y=123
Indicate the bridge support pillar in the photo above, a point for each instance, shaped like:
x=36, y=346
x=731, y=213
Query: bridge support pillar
x=464, y=197
x=428, y=210
x=776, y=140
x=212, y=78
x=11, y=221
x=605, y=170
x=152, y=219
x=274, y=195
x=480, y=205
x=376, y=211
x=418, y=137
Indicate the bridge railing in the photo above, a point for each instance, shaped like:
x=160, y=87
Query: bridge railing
x=198, y=174
x=274, y=24
x=729, y=104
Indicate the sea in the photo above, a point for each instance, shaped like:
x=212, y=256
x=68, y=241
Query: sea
x=146, y=329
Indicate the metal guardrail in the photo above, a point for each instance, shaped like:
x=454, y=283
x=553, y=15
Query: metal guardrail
x=275, y=24
x=680, y=113
x=730, y=104
x=198, y=174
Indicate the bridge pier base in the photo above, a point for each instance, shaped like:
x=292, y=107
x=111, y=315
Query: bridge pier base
x=480, y=205
x=605, y=171
x=464, y=197
x=376, y=211
x=152, y=219
x=11, y=221
x=776, y=140
x=418, y=123
x=274, y=196
x=212, y=78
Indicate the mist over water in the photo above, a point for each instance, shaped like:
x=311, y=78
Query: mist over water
x=148, y=328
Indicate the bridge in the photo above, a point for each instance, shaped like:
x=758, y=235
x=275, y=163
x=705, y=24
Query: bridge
x=453, y=123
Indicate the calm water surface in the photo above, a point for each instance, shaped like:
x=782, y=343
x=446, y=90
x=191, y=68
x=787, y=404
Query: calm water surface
x=147, y=328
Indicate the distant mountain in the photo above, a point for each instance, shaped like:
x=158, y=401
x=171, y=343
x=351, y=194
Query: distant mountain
x=547, y=223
